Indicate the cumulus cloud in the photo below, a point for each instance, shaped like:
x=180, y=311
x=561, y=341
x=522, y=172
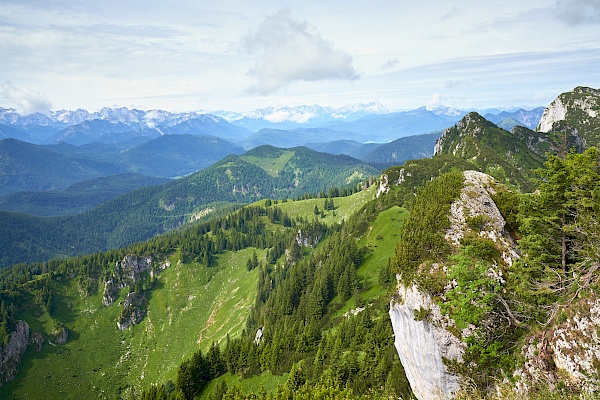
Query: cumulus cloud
x=288, y=50
x=27, y=102
x=391, y=63
x=436, y=101
x=579, y=12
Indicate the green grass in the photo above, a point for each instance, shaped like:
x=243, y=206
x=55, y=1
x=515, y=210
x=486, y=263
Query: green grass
x=272, y=166
x=190, y=307
x=255, y=384
x=381, y=240
x=344, y=206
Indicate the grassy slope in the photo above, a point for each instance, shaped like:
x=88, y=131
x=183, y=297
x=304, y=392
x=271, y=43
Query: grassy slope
x=381, y=242
x=271, y=165
x=344, y=206
x=189, y=308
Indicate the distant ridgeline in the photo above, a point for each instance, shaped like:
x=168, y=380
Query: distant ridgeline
x=264, y=172
x=470, y=274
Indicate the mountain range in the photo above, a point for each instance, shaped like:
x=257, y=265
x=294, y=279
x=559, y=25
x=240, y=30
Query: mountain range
x=296, y=274
x=263, y=172
x=362, y=122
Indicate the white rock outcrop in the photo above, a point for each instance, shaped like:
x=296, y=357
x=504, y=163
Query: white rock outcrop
x=127, y=272
x=425, y=341
x=555, y=112
x=422, y=345
x=384, y=186
x=582, y=101
x=570, y=350
x=475, y=200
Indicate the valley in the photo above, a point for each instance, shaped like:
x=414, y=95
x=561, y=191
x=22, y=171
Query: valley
x=437, y=262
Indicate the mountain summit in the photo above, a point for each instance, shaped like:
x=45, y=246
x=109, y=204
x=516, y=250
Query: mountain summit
x=575, y=111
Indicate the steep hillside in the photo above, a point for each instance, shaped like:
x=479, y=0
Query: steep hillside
x=77, y=198
x=26, y=167
x=508, y=156
x=266, y=172
x=577, y=111
x=175, y=155
x=197, y=287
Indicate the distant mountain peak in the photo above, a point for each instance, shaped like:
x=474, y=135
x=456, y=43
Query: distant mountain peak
x=443, y=110
x=374, y=107
x=453, y=138
x=577, y=110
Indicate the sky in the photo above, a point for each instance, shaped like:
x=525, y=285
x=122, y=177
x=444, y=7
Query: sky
x=189, y=55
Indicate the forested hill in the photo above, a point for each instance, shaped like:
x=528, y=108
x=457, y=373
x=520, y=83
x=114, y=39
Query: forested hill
x=511, y=157
x=575, y=112
x=295, y=295
x=265, y=172
x=25, y=166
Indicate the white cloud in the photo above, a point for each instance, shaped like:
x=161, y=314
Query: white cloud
x=277, y=116
x=289, y=50
x=435, y=102
x=579, y=12
x=27, y=102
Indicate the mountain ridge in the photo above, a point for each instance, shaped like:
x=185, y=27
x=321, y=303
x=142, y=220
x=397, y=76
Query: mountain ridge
x=574, y=112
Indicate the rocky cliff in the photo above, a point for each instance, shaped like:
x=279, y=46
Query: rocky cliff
x=567, y=351
x=423, y=343
x=127, y=272
x=578, y=110
x=11, y=353
x=427, y=336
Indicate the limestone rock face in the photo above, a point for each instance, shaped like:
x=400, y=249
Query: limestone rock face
x=583, y=99
x=127, y=271
x=577, y=111
x=308, y=239
x=383, y=186
x=422, y=345
x=475, y=200
x=422, y=335
x=570, y=349
x=555, y=112
x=10, y=355
x=132, y=312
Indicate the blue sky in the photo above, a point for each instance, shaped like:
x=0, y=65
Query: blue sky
x=241, y=55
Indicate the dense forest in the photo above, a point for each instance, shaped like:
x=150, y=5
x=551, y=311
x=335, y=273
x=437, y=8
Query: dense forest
x=316, y=321
x=264, y=172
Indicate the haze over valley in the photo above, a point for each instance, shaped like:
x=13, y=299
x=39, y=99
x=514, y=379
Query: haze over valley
x=290, y=201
